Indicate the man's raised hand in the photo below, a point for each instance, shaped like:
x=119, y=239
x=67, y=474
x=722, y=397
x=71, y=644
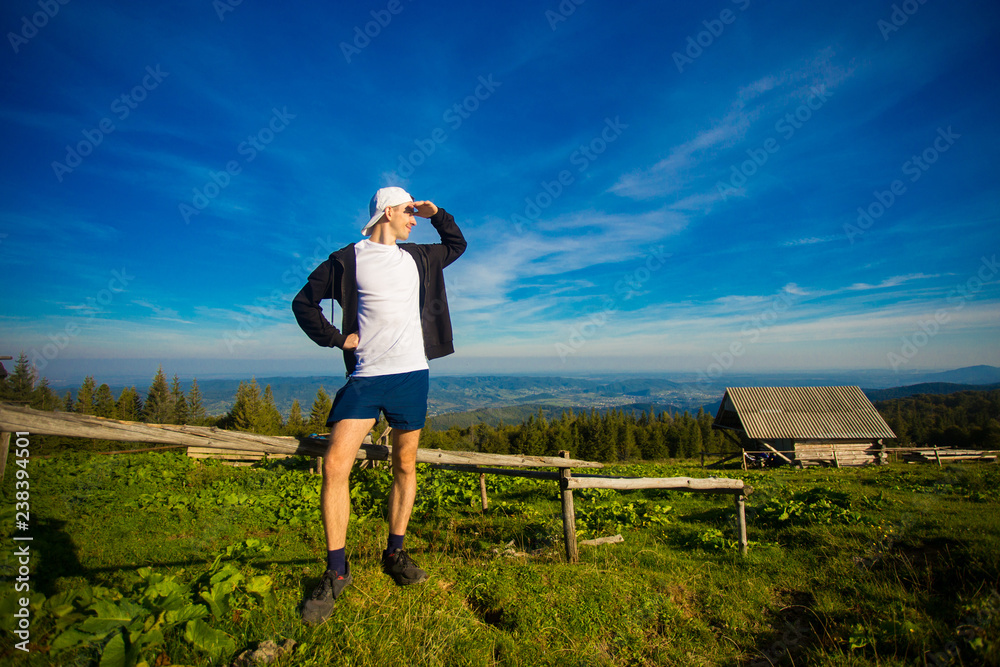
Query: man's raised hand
x=425, y=209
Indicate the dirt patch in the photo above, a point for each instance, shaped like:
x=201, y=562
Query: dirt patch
x=487, y=613
x=683, y=598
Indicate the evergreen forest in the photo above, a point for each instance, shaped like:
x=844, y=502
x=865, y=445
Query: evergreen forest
x=961, y=419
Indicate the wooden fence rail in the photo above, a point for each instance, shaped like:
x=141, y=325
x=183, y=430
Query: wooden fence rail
x=14, y=418
x=711, y=484
x=19, y=419
x=568, y=482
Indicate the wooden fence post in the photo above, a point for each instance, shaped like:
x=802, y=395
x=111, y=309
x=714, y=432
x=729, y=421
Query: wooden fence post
x=741, y=520
x=937, y=455
x=568, y=513
x=482, y=491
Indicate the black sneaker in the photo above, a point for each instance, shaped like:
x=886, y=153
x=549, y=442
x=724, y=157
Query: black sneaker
x=319, y=606
x=402, y=569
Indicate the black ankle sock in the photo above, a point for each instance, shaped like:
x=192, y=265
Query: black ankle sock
x=336, y=561
x=395, y=542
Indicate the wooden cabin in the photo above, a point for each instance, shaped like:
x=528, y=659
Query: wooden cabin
x=805, y=425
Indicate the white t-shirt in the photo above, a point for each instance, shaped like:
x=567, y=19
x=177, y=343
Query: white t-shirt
x=390, y=338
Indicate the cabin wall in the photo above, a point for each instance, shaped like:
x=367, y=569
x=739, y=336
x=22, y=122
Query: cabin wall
x=849, y=453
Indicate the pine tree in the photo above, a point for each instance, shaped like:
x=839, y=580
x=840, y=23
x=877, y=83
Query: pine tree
x=558, y=436
x=320, y=411
x=528, y=439
x=586, y=433
x=104, y=403
x=129, y=405
x=67, y=402
x=480, y=435
x=627, y=447
x=43, y=398
x=248, y=407
x=603, y=448
x=85, y=396
x=18, y=386
x=270, y=418
x=656, y=442
x=295, y=426
x=181, y=413
x=158, y=407
x=195, y=406
x=695, y=443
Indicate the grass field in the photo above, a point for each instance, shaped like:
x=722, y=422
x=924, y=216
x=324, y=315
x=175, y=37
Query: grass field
x=156, y=559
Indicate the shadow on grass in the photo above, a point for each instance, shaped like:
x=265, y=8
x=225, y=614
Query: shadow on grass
x=57, y=555
x=188, y=563
x=714, y=516
x=791, y=628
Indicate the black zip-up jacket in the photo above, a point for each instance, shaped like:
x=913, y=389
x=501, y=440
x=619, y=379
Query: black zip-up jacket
x=336, y=278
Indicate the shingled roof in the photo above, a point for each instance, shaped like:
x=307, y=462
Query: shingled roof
x=801, y=413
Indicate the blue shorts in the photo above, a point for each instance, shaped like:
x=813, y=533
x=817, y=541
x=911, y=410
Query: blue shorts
x=402, y=397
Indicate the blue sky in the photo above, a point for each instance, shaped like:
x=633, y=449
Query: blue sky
x=644, y=186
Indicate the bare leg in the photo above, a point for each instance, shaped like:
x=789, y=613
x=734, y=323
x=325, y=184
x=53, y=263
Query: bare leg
x=404, y=479
x=346, y=437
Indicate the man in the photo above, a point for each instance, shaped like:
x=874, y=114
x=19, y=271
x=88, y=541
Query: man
x=395, y=318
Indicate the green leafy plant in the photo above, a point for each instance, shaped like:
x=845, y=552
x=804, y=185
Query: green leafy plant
x=712, y=539
x=129, y=624
x=618, y=516
x=818, y=505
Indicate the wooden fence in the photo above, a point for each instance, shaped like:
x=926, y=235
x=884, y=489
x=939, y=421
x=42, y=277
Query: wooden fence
x=837, y=458
x=939, y=454
x=18, y=419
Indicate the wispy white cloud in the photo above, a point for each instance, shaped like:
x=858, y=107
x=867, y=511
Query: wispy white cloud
x=813, y=240
x=759, y=99
x=160, y=312
x=894, y=281
x=556, y=247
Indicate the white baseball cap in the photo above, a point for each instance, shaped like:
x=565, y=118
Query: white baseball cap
x=384, y=198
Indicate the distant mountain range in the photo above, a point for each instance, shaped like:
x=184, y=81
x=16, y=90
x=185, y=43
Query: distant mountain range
x=925, y=388
x=976, y=375
x=513, y=398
